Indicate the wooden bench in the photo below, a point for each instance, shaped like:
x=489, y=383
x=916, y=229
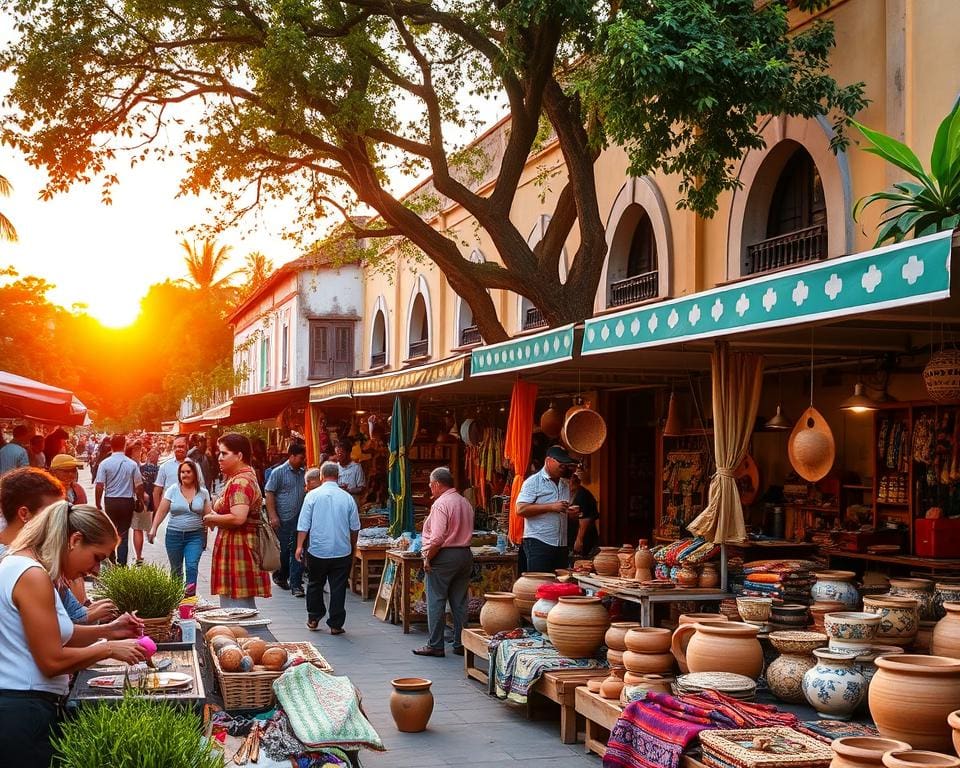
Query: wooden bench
x=560, y=686
x=476, y=645
x=600, y=715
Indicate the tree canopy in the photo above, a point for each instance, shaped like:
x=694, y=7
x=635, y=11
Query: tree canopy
x=319, y=101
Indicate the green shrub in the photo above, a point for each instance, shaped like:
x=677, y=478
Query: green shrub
x=134, y=732
x=147, y=589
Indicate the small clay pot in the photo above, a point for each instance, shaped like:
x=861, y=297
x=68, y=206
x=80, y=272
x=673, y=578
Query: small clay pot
x=611, y=687
x=919, y=758
x=499, y=613
x=614, y=657
x=953, y=720
x=709, y=576
x=863, y=751
x=594, y=683
x=648, y=663
x=525, y=589
x=606, y=563
x=411, y=703
x=647, y=640
x=614, y=638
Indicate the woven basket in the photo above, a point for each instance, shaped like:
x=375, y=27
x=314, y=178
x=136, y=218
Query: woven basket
x=584, y=430
x=159, y=630
x=254, y=690
x=941, y=376
x=811, y=447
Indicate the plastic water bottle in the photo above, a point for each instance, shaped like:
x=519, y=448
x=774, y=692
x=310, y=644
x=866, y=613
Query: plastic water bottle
x=502, y=543
x=188, y=630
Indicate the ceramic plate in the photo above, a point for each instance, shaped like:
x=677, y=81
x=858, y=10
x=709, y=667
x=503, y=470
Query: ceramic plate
x=155, y=682
x=230, y=614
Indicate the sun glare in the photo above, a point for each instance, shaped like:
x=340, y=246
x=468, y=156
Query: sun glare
x=115, y=312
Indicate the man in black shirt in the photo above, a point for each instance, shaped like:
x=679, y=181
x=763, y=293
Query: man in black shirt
x=582, y=532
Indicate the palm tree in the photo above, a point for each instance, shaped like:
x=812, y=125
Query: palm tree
x=204, y=264
x=256, y=270
x=7, y=230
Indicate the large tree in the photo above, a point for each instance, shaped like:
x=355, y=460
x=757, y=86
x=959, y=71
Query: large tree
x=319, y=101
x=205, y=264
x=7, y=230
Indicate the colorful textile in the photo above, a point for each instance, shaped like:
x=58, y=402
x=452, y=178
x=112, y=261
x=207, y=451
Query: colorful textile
x=654, y=732
x=516, y=447
x=403, y=432
x=323, y=710
x=518, y=664
x=234, y=571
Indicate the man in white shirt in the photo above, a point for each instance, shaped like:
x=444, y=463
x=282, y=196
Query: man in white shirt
x=544, y=505
x=331, y=520
x=168, y=473
x=352, y=479
x=14, y=454
x=118, y=484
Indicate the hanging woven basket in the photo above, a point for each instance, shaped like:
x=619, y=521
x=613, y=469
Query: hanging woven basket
x=811, y=447
x=584, y=430
x=941, y=376
x=551, y=422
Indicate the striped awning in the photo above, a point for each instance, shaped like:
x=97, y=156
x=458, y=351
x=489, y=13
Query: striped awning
x=440, y=373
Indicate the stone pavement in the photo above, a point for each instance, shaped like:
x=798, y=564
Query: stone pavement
x=467, y=725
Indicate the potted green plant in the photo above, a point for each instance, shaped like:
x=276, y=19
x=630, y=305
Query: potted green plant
x=929, y=204
x=149, y=590
x=134, y=731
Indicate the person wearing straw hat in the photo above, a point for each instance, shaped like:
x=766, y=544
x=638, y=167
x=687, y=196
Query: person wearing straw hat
x=545, y=506
x=65, y=468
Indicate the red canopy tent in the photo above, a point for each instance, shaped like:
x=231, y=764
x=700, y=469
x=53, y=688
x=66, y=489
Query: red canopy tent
x=23, y=398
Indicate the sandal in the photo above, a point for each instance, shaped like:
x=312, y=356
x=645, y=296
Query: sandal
x=313, y=624
x=428, y=651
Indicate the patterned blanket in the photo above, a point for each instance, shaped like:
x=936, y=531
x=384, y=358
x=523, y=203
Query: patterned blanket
x=654, y=732
x=516, y=665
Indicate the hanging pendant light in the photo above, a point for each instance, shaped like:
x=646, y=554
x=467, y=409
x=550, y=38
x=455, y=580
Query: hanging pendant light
x=674, y=424
x=858, y=402
x=779, y=422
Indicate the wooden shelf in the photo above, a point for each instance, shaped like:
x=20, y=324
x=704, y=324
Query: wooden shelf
x=857, y=487
x=903, y=504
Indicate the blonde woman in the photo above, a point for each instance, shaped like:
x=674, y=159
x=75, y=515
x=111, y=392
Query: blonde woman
x=39, y=645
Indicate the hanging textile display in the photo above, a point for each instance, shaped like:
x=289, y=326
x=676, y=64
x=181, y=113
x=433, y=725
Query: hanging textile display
x=403, y=431
x=312, y=434
x=737, y=380
x=516, y=449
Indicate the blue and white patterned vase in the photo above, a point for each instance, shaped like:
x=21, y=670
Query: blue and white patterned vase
x=834, y=686
x=836, y=585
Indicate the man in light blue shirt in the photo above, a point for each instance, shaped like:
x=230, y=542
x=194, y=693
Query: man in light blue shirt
x=14, y=454
x=331, y=521
x=284, y=493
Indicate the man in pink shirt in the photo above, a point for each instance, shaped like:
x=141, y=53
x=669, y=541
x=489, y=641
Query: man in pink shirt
x=447, y=561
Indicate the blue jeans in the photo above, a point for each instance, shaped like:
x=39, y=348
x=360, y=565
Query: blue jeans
x=291, y=570
x=184, y=546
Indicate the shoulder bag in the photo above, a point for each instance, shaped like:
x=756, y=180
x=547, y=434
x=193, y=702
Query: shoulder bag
x=267, y=552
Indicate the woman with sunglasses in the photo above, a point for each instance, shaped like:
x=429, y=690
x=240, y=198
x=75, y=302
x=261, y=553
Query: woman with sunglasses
x=235, y=574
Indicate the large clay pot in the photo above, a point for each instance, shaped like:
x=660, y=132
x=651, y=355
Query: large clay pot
x=411, y=703
x=525, y=590
x=944, y=593
x=919, y=758
x=921, y=643
x=538, y=613
x=785, y=674
x=615, y=638
x=606, y=563
x=911, y=696
x=681, y=643
x=648, y=663
x=719, y=647
x=499, y=614
x=644, y=562
x=610, y=688
x=837, y=586
x=834, y=686
x=946, y=635
x=577, y=625
x=899, y=618
x=953, y=720
x=862, y=751
x=820, y=609
x=920, y=590
x=648, y=640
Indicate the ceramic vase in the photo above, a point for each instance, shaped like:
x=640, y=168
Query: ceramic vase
x=606, y=563
x=678, y=646
x=525, y=590
x=927, y=688
x=576, y=626
x=538, y=614
x=862, y=751
x=920, y=590
x=899, y=618
x=919, y=758
x=411, y=703
x=785, y=674
x=615, y=637
x=643, y=560
x=499, y=614
x=851, y=632
x=610, y=688
x=946, y=634
x=687, y=576
x=627, y=565
x=719, y=647
x=834, y=686
x=944, y=593
x=709, y=576
x=837, y=586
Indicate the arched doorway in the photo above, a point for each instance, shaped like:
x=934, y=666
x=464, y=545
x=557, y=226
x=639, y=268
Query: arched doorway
x=378, y=341
x=419, y=331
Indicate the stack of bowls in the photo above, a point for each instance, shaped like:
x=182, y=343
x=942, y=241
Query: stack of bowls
x=614, y=640
x=789, y=617
x=647, y=653
x=755, y=610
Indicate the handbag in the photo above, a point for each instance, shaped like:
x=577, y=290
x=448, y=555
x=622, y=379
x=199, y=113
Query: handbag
x=267, y=553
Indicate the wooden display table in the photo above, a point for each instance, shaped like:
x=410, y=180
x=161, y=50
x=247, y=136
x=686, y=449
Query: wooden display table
x=476, y=645
x=366, y=570
x=560, y=686
x=600, y=715
x=645, y=598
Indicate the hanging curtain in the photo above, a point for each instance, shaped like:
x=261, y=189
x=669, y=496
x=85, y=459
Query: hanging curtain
x=311, y=434
x=403, y=430
x=516, y=448
x=737, y=380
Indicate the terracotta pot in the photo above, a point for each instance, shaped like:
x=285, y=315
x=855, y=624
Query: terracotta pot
x=627, y=565
x=687, y=576
x=919, y=758
x=606, y=562
x=614, y=657
x=611, y=686
x=647, y=640
x=709, y=576
x=928, y=685
x=862, y=751
x=643, y=561
x=785, y=674
x=499, y=614
x=820, y=609
x=411, y=703
x=648, y=663
x=593, y=684
x=920, y=590
x=525, y=590
x=834, y=686
x=899, y=618
x=615, y=637
x=577, y=625
x=719, y=647
x=836, y=586
x=924, y=638
x=658, y=683
x=953, y=720
x=946, y=635
x=868, y=664
x=681, y=644
x=538, y=614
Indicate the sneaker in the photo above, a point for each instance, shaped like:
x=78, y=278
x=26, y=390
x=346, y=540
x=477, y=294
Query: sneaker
x=282, y=583
x=298, y=592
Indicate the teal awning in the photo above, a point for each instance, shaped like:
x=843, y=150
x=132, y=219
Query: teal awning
x=551, y=346
x=892, y=276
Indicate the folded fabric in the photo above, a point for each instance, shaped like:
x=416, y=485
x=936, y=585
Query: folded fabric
x=323, y=709
x=518, y=664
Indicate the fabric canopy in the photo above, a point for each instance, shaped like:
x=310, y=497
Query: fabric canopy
x=517, y=446
x=403, y=431
x=737, y=379
x=23, y=398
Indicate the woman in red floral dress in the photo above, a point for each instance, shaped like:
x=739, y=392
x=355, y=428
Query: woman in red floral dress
x=234, y=573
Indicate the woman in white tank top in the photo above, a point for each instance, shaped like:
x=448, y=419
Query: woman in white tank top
x=39, y=645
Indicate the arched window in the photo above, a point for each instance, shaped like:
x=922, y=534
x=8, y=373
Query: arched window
x=467, y=332
x=378, y=341
x=419, y=333
x=632, y=272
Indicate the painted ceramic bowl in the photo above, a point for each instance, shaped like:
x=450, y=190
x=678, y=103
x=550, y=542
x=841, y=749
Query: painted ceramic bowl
x=852, y=626
x=797, y=642
x=755, y=608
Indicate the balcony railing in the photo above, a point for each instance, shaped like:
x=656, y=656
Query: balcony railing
x=787, y=250
x=470, y=335
x=636, y=288
x=533, y=319
x=378, y=359
x=419, y=348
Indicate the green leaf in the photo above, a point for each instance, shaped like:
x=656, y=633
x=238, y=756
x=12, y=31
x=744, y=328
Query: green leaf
x=941, y=159
x=893, y=151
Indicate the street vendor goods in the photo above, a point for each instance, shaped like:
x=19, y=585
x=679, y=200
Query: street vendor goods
x=577, y=625
x=615, y=638
x=862, y=751
x=411, y=703
x=499, y=614
x=930, y=685
x=946, y=634
x=525, y=589
x=851, y=631
x=899, y=618
x=921, y=590
x=145, y=682
x=811, y=447
x=953, y=720
x=647, y=640
x=763, y=748
x=606, y=563
x=919, y=758
x=720, y=647
x=835, y=685
x=836, y=586
x=678, y=644
x=785, y=674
